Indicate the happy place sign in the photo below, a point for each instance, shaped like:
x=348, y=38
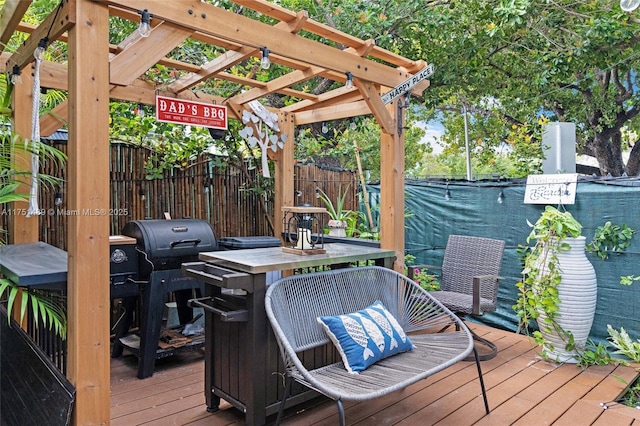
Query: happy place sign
x=180, y=111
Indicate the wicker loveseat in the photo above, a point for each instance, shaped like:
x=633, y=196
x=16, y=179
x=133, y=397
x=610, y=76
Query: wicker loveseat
x=294, y=304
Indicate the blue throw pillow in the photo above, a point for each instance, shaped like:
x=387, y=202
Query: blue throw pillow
x=366, y=336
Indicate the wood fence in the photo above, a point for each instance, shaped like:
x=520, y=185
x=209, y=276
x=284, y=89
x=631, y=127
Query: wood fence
x=222, y=196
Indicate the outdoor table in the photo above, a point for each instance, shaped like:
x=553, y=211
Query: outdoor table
x=245, y=375
x=34, y=264
x=34, y=359
x=44, y=267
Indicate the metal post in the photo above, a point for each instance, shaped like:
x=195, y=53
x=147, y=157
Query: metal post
x=466, y=142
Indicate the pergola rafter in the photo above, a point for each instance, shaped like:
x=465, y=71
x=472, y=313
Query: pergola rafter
x=98, y=71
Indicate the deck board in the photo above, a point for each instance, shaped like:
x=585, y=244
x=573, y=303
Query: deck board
x=522, y=390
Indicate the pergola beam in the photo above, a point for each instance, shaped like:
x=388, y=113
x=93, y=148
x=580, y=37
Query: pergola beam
x=333, y=97
x=54, y=76
x=218, y=22
x=334, y=112
x=54, y=119
x=58, y=21
x=200, y=73
x=362, y=48
x=142, y=53
x=12, y=13
x=267, y=8
x=231, y=58
x=221, y=63
x=278, y=84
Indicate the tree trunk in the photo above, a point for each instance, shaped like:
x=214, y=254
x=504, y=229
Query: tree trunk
x=609, y=157
x=633, y=165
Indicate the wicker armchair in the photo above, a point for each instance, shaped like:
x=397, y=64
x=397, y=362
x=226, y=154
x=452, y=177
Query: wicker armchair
x=469, y=278
x=294, y=303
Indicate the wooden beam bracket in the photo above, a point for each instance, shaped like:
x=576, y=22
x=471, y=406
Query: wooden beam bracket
x=372, y=97
x=296, y=24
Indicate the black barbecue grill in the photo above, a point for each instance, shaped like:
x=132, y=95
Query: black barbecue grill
x=163, y=245
x=166, y=244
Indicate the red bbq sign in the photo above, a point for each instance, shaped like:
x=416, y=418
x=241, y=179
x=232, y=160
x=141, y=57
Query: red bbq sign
x=180, y=111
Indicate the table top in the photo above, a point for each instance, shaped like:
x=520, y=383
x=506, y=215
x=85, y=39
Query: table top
x=262, y=260
x=31, y=264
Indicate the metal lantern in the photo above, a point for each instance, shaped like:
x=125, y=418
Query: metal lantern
x=303, y=229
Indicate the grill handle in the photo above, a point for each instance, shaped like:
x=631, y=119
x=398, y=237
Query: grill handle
x=218, y=276
x=194, y=241
x=237, y=315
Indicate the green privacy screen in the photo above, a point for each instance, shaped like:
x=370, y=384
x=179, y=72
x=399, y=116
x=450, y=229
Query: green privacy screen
x=436, y=209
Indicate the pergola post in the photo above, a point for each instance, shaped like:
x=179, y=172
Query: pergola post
x=392, y=189
x=284, y=171
x=88, y=225
x=23, y=229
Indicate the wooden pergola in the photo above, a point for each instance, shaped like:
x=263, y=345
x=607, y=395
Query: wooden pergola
x=98, y=71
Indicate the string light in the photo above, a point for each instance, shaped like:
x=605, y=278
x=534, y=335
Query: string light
x=145, y=20
x=349, y=83
x=38, y=54
x=16, y=76
x=629, y=5
x=447, y=194
x=500, y=197
x=265, y=62
x=324, y=129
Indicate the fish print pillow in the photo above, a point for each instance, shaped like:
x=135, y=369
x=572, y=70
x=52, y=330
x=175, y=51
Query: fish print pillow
x=366, y=336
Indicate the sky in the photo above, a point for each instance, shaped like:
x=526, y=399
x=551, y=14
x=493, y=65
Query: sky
x=433, y=131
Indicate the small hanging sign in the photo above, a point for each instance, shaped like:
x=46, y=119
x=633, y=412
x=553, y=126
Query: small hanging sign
x=181, y=111
x=406, y=85
x=551, y=189
x=262, y=130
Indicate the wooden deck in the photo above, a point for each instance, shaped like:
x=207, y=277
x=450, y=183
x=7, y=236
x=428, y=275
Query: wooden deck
x=522, y=390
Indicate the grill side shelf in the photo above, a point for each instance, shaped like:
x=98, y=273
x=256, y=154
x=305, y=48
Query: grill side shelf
x=225, y=309
x=218, y=276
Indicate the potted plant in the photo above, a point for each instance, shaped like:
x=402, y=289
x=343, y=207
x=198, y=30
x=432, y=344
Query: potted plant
x=339, y=216
x=610, y=238
x=558, y=287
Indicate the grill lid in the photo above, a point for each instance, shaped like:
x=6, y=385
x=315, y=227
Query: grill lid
x=169, y=243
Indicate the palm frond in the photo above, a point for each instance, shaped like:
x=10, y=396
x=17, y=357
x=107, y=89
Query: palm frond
x=8, y=193
x=12, y=171
x=51, y=313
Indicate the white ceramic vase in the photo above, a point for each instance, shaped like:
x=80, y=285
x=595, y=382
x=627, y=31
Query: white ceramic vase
x=578, y=296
